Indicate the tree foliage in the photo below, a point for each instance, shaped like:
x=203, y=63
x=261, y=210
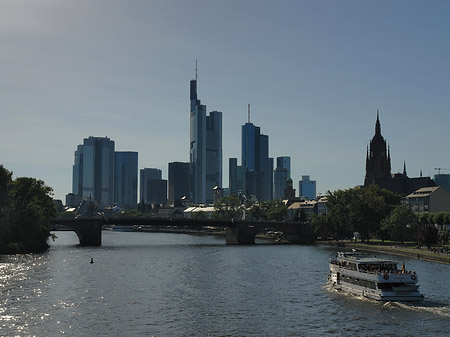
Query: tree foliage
x=228, y=208
x=269, y=210
x=355, y=210
x=428, y=236
x=5, y=186
x=401, y=224
x=26, y=207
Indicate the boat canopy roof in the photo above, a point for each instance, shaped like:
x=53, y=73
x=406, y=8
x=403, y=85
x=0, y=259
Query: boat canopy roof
x=362, y=258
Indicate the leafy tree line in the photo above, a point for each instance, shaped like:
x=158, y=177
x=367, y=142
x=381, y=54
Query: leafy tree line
x=376, y=213
x=231, y=208
x=25, y=209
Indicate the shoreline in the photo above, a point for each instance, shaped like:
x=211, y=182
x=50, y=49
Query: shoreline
x=399, y=251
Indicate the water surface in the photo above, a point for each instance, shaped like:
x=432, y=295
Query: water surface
x=154, y=284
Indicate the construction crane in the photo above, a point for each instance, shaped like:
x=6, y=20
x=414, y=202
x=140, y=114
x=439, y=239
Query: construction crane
x=438, y=169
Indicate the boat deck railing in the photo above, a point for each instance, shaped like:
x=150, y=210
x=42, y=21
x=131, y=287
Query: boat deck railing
x=375, y=271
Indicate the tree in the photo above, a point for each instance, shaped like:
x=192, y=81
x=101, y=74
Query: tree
x=401, y=224
x=276, y=210
x=439, y=219
x=423, y=219
x=339, y=205
x=269, y=210
x=322, y=226
x=258, y=211
x=30, y=210
x=428, y=236
x=5, y=188
x=228, y=208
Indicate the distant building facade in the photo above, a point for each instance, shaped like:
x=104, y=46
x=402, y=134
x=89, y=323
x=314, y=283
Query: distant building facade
x=178, y=181
x=237, y=178
x=280, y=177
x=126, y=179
x=93, y=171
x=153, y=189
x=443, y=180
x=429, y=199
x=307, y=188
x=289, y=191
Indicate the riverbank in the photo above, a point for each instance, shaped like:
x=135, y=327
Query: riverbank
x=423, y=254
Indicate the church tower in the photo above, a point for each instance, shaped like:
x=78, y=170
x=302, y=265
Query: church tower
x=378, y=159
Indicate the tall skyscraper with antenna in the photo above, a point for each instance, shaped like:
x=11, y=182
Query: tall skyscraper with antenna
x=205, y=150
x=255, y=157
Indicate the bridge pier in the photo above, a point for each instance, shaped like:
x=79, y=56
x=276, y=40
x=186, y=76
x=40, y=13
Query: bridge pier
x=89, y=233
x=241, y=234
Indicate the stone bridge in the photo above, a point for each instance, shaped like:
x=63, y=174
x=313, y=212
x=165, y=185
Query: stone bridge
x=242, y=232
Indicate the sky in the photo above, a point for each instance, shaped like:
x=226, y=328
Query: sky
x=314, y=72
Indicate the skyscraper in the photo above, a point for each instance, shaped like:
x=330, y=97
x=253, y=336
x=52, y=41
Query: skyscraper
x=213, y=153
x=178, y=181
x=307, y=188
x=93, y=170
x=255, y=158
x=237, y=178
x=205, y=151
x=284, y=162
x=280, y=177
x=153, y=189
x=126, y=178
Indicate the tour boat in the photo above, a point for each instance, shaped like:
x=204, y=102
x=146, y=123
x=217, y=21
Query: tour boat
x=374, y=278
x=123, y=228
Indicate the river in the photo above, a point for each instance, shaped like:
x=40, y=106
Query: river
x=155, y=284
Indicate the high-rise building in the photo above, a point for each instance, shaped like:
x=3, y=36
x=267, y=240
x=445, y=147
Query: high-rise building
x=284, y=162
x=255, y=158
x=307, y=188
x=280, y=177
x=237, y=178
x=153, y=189
x=126, y=178
x=232, y=176
x=93, y=170
x=178, y=181
x=205, y=151
x=213, y=153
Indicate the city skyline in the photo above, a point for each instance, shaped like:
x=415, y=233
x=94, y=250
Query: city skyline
x=314, y=72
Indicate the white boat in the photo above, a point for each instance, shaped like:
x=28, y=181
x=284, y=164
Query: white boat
x=374, y=278
x=123, y=228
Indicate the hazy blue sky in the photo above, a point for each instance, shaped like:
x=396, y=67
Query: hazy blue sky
x=314, y=72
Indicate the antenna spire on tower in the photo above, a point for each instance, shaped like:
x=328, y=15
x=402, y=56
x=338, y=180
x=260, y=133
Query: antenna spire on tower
x=249, y=113
x=196, y=70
